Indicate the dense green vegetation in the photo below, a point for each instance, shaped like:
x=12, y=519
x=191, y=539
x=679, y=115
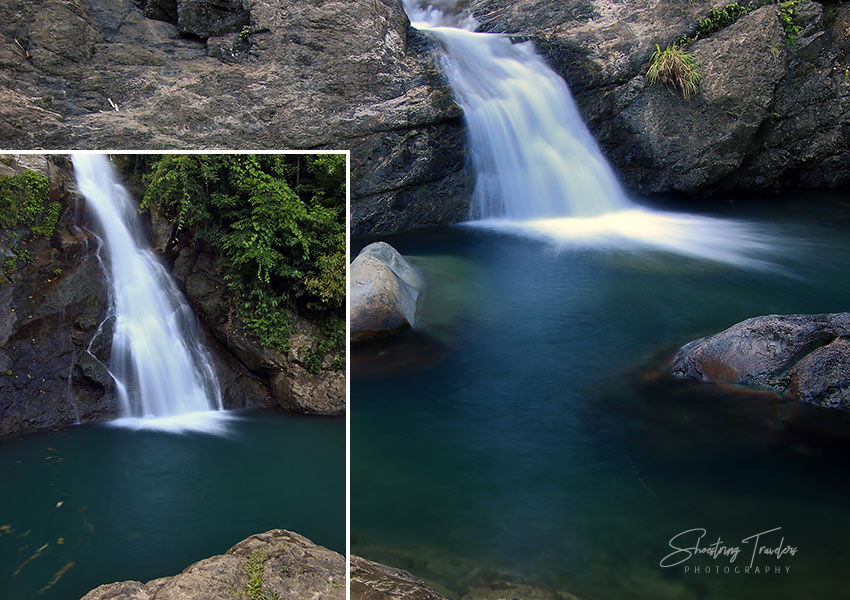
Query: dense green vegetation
x=675, y=67
x=277, y=223
x=25, y=204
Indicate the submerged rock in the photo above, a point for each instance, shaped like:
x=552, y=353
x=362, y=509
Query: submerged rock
x=293, y=567
x=383, y=294
x=374, y=581
x=802, y=357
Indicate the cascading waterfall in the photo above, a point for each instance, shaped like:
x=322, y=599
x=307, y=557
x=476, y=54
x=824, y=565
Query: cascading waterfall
x=163, y=376
x=538, y=170
x=532, y=153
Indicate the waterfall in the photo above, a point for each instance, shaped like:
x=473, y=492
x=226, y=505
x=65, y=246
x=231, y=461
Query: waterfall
x=532, y=153
x=538, y=171
x=163, y=376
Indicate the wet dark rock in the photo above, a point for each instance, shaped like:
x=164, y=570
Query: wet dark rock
x=254, y=375
x=52, y=309
x=383, y=293
x=295, y=567
x=205, y=18
x=801, y=357
x=162, y=10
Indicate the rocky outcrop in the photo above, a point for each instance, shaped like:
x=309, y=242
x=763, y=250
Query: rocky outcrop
x=344, y=74
x=769, y=113
x=53, y=302
x=383, y=293
x=374, y=581
x=291, y=566
x=307, y=379
x=802, y=357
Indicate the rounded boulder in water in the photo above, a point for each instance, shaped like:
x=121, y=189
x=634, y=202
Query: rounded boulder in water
x=384, y=291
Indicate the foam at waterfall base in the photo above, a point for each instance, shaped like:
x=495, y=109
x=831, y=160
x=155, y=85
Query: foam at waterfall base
x=213, y=422
x=721, y=240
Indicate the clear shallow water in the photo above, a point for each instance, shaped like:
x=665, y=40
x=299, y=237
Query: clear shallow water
x=146, y=504
x=527, y=430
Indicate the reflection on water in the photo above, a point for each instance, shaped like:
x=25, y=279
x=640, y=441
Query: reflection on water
x=545, y=444
x=723, y=240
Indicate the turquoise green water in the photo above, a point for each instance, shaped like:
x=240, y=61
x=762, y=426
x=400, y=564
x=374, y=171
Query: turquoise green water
x=96, y=504
x=527, y=430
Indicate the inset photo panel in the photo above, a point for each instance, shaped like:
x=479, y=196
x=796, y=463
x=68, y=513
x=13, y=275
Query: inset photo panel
x=172, y=375
x=600, y=337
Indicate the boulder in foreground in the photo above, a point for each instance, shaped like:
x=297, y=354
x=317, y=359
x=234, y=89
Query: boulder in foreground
x=800, y=357
x=291, y=565
x=384, y=291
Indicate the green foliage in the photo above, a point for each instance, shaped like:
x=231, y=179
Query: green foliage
x=57, y=271
x=253, y=589
x=25, y=204
x=334, y=338
x=787, y=17
x=11, y=264
x=675, y=67
x=22, y=200
x=277, y=223
x=718, y=18
x=49, y=218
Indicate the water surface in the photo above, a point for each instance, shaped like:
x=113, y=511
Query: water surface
x=118, y=504
x=527, y=430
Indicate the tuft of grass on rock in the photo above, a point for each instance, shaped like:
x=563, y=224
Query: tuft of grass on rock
x=253, y=589
x=676, y=68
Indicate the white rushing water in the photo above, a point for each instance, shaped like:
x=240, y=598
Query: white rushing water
x=164, y=377
x=538, y=170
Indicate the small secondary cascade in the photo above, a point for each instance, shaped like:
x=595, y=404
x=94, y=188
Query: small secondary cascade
x=159, y=365
x=532, y=153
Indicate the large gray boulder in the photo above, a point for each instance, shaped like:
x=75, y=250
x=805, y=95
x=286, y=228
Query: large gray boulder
x=383, y=294
x=291, y=565
x=802, y=357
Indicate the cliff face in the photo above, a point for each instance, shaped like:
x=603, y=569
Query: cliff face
x=53, y=300
x=241, y=74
